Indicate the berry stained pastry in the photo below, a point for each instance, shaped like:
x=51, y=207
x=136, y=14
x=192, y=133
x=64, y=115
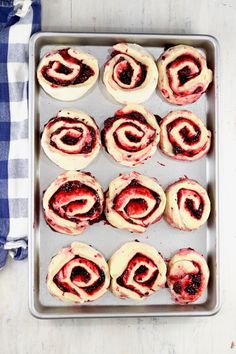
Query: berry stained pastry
x=78, y=274
x=187, y=276
x=67, y=74
x=71, y=139
x=137, y=271
x=187, y=205
x=73, y=202
x=132, y=135
x=183, y=136
x=130, y=75
x=183, y=74
x=134, y=201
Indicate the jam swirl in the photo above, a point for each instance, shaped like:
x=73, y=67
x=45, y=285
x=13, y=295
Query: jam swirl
x=183, y=74
x=143, y=271
x=71, y=139
x=73, y=202
x=137, y=271
x=72, y=133
x=187, y=276
x=58, y=73
x=134, y=202
x=188, y=205
x=183, y=136
x=78, y=274
x=131, y=136
x=81, y=271
x=130, y=74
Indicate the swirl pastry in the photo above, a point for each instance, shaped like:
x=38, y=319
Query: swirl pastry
x=137, y=270
x=134, y=201
x=71, y=139
x=73, y=202
x=132, y=135
x=183, y=136
x=187, y=205
x=130, y=75
x=183, y=74
x=78, y=273
x=67, y=74
x=187, y=276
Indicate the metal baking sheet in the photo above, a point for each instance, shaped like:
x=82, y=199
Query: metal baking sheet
x=44, y=243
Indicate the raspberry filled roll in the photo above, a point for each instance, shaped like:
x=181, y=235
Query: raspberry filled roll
x=134, y=201
x=187, y=276
x=73, y=202
x=130, y=75
x=183, y=74
x=78, y=274
x=187, y=205
x=71, y=139
x=132, y=135
x=67, y=74
x=183, y=136
x=137, y=271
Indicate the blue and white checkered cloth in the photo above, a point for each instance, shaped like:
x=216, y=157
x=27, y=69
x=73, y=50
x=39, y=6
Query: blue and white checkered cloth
x=18, y=20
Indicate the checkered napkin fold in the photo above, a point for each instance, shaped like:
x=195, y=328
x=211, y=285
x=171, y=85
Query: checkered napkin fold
x=18, y=20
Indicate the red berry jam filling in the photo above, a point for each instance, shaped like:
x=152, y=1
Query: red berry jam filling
x=184, y=74
x=125, y=75
x=140, y=273
x=81, y=75
x=198, y=90
x=191, y=284
x=62, y=69
x=194, y=285
x=80, y=274
x=68, y=139
x=125, y=71
x=188, y=283
x=177, y=287
x=135, y=205
x=131, y=136
x=189, y=204
x=197, y=213
x=72, y=135
x=187, y=137
x=64, y=202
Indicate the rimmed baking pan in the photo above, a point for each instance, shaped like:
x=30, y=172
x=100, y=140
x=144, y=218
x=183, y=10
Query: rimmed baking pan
x=44, y=243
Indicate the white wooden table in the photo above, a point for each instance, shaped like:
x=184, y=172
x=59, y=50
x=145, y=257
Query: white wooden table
x=20, y=333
